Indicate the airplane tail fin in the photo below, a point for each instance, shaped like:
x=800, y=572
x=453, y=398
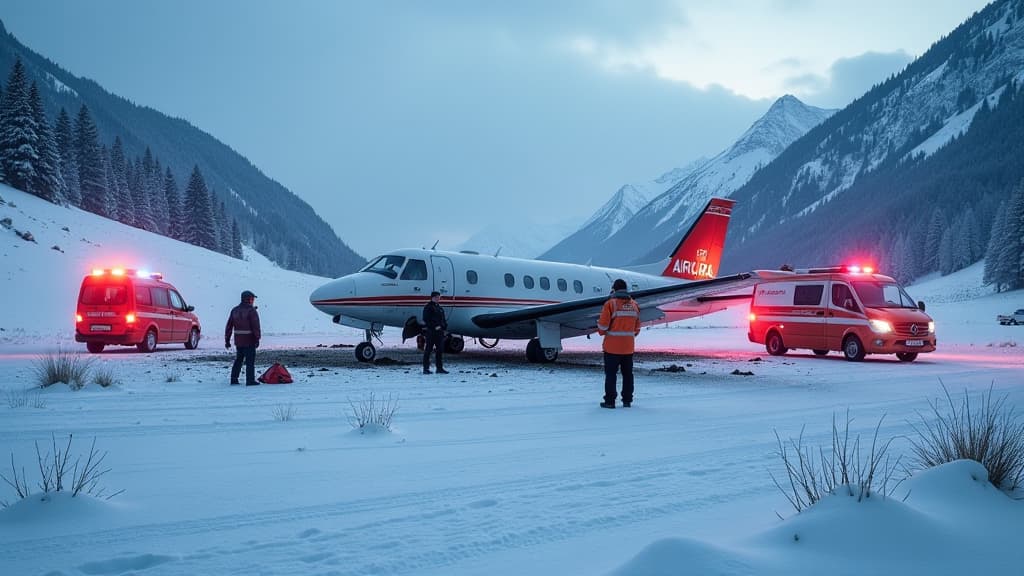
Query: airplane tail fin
x=699, y=252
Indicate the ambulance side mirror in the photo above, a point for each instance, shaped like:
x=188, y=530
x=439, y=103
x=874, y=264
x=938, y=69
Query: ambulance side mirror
x=920, y=305
x=191, y=308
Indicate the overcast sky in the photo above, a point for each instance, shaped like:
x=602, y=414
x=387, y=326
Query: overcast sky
x=403, y=123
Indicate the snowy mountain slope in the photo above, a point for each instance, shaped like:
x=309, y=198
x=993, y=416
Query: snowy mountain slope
x=39, y=283
x=880, y=152
x=683, y=192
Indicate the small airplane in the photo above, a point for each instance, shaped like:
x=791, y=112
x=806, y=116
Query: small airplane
x=494, y=297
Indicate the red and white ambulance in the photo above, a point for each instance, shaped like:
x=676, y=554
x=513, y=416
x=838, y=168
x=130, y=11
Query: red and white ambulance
x=125, y=307
x=844, y=308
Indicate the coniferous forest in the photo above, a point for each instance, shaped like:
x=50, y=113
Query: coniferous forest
x=68, y=140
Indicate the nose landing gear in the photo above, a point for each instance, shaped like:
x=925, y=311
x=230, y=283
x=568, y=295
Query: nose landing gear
x=365, y=351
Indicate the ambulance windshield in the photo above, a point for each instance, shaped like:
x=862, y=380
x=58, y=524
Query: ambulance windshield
x=883, y=295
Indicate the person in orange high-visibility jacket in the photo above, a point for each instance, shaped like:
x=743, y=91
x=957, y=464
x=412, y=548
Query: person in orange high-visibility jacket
x=619, y=324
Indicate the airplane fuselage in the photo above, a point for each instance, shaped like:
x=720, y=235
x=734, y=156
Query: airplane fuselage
x=470, y=285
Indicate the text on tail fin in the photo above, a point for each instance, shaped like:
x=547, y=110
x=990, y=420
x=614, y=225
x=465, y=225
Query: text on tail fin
x=698, y=254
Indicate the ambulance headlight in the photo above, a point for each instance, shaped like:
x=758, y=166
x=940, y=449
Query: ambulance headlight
x=880, y=326
x=931, y=327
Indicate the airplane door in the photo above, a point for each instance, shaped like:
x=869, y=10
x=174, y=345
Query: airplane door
x=444, y=279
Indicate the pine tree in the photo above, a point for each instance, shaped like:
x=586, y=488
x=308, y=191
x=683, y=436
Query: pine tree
x=1009, y=270
x=224, y=227
x=198, y=213
x=236, y=239
x=91, y=177
x=946, y=253
x=19, y=141
x=173, y=200
x=68, y=158
x=931, y=242
x=119, y=186
x=110, y=183
x=141, y=193
x=995, y=244
x=49, y=183
x=158, y=200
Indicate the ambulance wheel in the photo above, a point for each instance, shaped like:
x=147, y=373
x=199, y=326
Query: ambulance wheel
x=421, y=342
x=365, y=352
x=148, y=343
x=820, y=352
x=95, y=347
x=454, y=344
x=193, y=339
x=853, y=350
x=906, y=356
x=774, y=344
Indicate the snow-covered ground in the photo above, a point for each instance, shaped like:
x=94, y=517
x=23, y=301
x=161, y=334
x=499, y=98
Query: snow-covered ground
x=500, y=468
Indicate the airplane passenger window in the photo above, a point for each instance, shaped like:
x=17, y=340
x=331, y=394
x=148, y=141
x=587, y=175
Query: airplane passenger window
x=562, y=286
x=415, y=270
x=528, y=282
x=545, y=284
x=577, y=286
x=471, y=276
x=510, y=280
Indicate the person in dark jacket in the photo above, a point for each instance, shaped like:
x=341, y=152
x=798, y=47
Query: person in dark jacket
x=434, y=327
x=244, y=320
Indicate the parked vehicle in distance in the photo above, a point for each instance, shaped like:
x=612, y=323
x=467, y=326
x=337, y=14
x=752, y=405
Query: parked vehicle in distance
x=126, y=307
x=1013, y=319
x=846, y=308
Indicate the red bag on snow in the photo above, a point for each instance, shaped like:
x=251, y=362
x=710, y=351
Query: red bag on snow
x=276, y=374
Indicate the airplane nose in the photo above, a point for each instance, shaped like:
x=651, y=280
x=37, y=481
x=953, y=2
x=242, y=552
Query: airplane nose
x=333, y=291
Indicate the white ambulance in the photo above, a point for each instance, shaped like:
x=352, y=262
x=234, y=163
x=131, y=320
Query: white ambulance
x=843, y=308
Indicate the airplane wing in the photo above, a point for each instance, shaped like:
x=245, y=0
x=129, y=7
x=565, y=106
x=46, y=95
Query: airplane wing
x=683, y=300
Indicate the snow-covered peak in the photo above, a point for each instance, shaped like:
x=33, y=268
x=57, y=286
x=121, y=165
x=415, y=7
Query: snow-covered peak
x=786, y=120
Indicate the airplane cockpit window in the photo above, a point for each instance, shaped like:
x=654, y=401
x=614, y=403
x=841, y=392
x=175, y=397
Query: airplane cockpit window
x=562, y=285
x=386, y=266
x=416, y=270
x=528, y=281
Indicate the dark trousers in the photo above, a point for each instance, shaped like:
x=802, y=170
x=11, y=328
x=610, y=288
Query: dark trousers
x=612, y=364
x=247, y=353
x=434, y=340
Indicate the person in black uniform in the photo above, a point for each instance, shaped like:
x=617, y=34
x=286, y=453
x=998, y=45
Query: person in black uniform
x=244, y=321
x=434, y=327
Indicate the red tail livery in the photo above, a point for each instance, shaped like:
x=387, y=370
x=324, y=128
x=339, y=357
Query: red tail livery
x=699, y=252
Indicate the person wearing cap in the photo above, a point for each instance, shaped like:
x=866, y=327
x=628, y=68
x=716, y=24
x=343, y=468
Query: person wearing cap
x=244, y=321
x=619, y=324
x=434, y=326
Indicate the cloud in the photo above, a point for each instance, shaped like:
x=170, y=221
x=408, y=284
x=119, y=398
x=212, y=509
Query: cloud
x=848, y=78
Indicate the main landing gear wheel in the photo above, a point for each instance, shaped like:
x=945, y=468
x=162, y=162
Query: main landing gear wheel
x=774, y=344
x=538, y=355
x=853, y=350
x=94, y=347
x=483, y=342
x=454, y=344
x=365, y=352
x=148, y=343
x=906, y=356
